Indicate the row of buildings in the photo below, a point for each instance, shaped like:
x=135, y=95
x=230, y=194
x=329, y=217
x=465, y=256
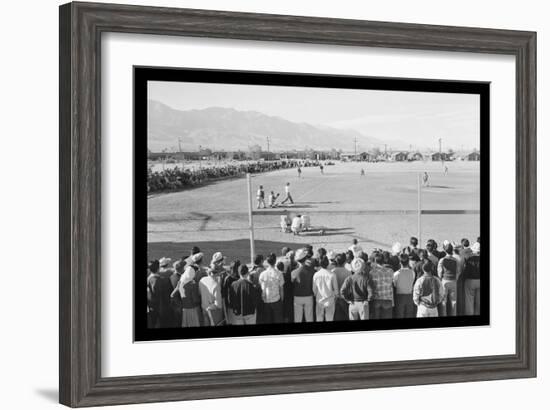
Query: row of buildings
x=313, y=155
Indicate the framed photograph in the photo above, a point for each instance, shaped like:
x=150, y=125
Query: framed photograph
x=249, y=183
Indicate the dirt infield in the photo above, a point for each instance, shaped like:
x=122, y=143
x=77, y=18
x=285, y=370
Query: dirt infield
x=377, y=209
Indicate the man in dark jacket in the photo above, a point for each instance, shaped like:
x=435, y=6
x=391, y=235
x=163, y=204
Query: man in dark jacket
x=159, y=290
x=472, y=282
x=302, y=280
x=447, y=270
x=357, y=290
x=243, y=298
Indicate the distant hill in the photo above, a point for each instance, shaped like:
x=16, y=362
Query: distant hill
x=229, y=129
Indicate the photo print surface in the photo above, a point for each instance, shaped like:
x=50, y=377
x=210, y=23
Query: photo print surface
x=278, y=203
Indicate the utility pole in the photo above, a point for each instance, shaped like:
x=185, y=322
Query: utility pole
x=179, y=143
x=385, y=150
x=200, y=157
x=355, y=145
x=268, y=148
x=439, y=146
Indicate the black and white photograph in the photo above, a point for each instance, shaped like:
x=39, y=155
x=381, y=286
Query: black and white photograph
x=283, y=203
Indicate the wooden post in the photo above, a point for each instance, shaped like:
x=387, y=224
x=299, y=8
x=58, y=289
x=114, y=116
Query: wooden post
x=419, y=204
x=250, y=219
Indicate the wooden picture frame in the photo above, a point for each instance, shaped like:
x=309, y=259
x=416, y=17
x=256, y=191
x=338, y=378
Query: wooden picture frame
x=81, y=27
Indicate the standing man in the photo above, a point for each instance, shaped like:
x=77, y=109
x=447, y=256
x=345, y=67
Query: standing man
x=321, y=168
x=341, y=273
x=472, y=288
x=325, y=289
x=179, y=267
x=382, y=283
x=362, y=172
x=211, y=298
x=260, y=197
x=299, y=172
x=302, y=280
x=447, y=270
x=403, y=281
x=425, y=179
x=428, y=292
x=158, y=298
x=432, y=253
x=272, y=283
x=357, y=290
x=288, y=197
x=243, y=298
x=227, y=281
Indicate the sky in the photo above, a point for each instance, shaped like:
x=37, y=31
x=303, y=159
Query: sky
x=412, y=118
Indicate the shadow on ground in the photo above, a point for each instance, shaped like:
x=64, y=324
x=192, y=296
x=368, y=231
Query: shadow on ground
x=49, y=394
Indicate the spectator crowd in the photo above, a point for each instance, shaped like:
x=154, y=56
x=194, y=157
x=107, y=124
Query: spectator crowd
x=303, y=285
x=179, y=177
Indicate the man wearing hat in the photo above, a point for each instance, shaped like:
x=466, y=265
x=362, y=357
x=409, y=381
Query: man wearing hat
x=331, y=255
x=302, y=281
x=165, y=267
x=357, y=290
x=159, y=290
x=211, y=295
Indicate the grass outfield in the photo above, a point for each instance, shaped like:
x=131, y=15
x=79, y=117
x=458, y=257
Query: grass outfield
x=377, y=209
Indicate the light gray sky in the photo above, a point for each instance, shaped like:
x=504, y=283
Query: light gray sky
x=417, y=118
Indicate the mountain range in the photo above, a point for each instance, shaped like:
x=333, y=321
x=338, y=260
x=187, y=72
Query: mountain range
x=229, y=129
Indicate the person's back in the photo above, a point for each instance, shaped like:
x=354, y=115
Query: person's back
x=472, y=267
x=357, y=288
x=382, y=282
x=161, y=289
x=191, y=297
x=210, y=292
x=403, y=280
x=341, y=274
x=256, y=271
x=448, y=268
x=302, y=279
x=428, y=292
x=324, y=285
x=472, y=285
x=382, y=279
x=244, y=297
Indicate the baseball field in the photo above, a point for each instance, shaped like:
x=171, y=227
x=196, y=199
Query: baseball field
x=378, y=209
